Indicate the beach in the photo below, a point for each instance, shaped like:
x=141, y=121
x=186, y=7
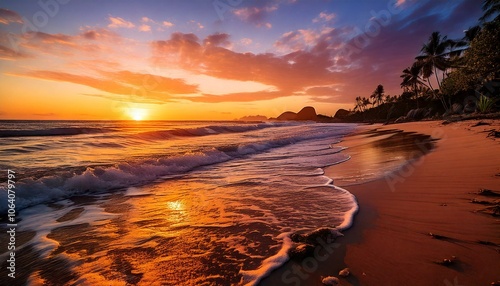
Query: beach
x=413, y=219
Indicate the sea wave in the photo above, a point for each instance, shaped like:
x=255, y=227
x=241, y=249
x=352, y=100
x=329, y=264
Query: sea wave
x=206, y=130
x=60, y=131
x=51, y=185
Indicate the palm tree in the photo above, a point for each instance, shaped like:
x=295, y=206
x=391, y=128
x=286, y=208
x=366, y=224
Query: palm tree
x=411, y=78
x=365, y=102
x=434, y=56
x=490, y=8
x=358, y=105
x=378, y=95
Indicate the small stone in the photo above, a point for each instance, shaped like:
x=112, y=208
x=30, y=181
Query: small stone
x=344, y=272
x=330, y=280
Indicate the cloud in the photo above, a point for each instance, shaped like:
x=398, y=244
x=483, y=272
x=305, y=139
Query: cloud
x=99, y=34
x=246, y=41
x=218, y=39
x=256, y=15
x=309, y=68
x=306, y=39
x=400, y=2
x=198, y=24
x=8, y=16
x=117, y=22
x=239, y=97
x=142, y=87
x=167, y=24
x=9, y=54
x=51, y=38
x=145, y=28
x=152, y=82
x=324, y=17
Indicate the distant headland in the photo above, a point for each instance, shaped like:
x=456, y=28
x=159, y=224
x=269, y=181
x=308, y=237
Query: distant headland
x=307, y=113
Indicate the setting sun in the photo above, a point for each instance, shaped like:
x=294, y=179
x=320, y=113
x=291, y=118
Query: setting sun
x=137, y=114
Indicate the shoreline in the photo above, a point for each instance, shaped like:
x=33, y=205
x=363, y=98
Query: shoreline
x=390, y=242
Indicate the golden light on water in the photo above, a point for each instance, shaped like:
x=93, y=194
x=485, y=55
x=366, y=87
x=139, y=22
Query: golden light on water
x=176, y=206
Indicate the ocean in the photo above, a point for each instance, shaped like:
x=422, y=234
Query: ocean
x=170, y=203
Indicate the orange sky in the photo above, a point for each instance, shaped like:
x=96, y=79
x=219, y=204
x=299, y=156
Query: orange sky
x=176, y=61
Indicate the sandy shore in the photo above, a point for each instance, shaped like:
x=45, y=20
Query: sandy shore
x=390, y=243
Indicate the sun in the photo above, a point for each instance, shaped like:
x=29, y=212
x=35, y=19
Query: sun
x=137, y=114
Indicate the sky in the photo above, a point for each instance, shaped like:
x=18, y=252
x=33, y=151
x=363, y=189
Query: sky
x=209, y=59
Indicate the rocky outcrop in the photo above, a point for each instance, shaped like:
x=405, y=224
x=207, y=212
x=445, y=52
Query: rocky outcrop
x=305, y=244
x=341, y=114
x=287, y=115
x=414, y=115
x=253, y=118
x=307, y=113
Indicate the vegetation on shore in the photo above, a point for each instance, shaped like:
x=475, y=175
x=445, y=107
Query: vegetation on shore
x=449, y=76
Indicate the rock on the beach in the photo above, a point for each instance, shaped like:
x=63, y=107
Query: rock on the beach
x=470, y=107
x=330, y=280
x=457, y=108
x=301, y=251
x=320, y=235
x=344, y=272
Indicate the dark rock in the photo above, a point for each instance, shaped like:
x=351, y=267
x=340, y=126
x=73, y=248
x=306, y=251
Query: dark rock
x=288, y=115
x=456, y=108
x=324, y=234
x=416, y=114
x=341, y=114
x=400, y=119
x=317, y=237
x=301, y=251
x=470, y=106
x=307, y=113
x=253, y=118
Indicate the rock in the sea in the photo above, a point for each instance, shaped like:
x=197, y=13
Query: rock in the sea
x=301, y=251
x=253, y=118
x=288, y=115
x=330, y=280
x=307, y=113
x=344, y=272
x=323, y=235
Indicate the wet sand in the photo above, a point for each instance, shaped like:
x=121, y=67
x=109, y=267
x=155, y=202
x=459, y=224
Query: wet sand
x=391, y=242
